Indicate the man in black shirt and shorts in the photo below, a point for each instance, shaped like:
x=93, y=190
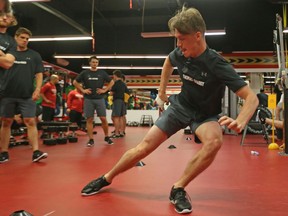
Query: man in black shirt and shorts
x=119, y=107
x=93, y=81
x=204, y=74
x=20, y=94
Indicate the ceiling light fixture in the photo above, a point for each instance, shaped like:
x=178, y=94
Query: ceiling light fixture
x=113, y=56
x=238, y=70
x=61, y=38
x=30, y=0
x=126, y=67
x=168, y=34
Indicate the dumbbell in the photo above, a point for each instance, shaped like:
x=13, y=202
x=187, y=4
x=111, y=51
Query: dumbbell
x=72, y=137
x=61, y=139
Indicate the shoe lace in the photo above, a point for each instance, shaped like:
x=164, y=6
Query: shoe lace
x=181, y=196
x=94, y=182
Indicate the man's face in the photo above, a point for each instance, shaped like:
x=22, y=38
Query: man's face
x=94, y=63
x=187, y=43
x=6, y=19
x=22, y=40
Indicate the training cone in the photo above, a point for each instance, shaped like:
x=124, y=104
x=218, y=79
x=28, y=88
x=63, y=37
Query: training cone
x=140, y=163
x=273, y=146
x=171, y=147
x=21, y=213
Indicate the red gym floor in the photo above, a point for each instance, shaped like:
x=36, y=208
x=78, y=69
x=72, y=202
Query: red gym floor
x=237, y=183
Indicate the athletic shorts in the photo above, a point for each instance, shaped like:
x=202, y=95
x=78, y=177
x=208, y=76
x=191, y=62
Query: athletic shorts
x=118, y=108
x=48, y=113
x=177, y=117
x=75, y=117
x=90, y=105
x=12, y=106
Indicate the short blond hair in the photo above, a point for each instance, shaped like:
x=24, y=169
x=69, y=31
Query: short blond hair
x=186, y=21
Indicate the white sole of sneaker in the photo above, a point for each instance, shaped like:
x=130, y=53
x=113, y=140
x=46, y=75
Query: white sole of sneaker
x=185, y=211
x=43, y=156
x=89, y=146
x=4, y=161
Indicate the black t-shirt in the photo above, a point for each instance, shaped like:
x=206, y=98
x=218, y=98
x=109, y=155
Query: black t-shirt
x=21, y=75
x=118, y=89
x=93, y=80
x=204, y=79
x=263, y=99
x=7, y=45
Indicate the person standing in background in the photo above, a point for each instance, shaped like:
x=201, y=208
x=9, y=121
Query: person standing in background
x=263, y=98
x=119, y=108
x=8, y=47
x=20, y=94
x=93, y=81
x=75, y=100
x=7, y=44
x=48, y=94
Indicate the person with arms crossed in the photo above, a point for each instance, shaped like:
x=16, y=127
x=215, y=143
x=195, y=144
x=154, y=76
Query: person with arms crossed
x=93, y=81
x=7, y=45
x=20, y=94
x=204, y=74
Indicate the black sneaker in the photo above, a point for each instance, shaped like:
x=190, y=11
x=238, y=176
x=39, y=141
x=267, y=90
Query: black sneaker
x=115, y=136
x=39, y=155
x=108, y=140
x=4, y=157
x=90, y=143
x=94, y=186
x=180, y=200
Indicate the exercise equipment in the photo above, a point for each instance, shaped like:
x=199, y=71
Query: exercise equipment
x=256, y=126
x=50, y=140
x=21, y=213
x=282, y=79
x=140, y=163
x=273, y=146
x=72, y=137
x=62, y=139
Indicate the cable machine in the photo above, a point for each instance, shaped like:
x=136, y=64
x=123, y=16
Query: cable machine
x=282, y=80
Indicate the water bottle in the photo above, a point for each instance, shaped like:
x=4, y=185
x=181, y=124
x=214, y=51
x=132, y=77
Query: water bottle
x=254, y=153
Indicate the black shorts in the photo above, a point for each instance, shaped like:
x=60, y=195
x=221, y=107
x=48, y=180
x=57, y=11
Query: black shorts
x=48, y=113
x=177, y=117
x=119, y=108
x=75, y=117
x=12, y=106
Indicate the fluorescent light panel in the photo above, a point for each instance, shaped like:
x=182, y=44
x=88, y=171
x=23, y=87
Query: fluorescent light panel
x=168, y=34
x=126, y=67
x=30, y=0
x=61, y=38
x=103, y=56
